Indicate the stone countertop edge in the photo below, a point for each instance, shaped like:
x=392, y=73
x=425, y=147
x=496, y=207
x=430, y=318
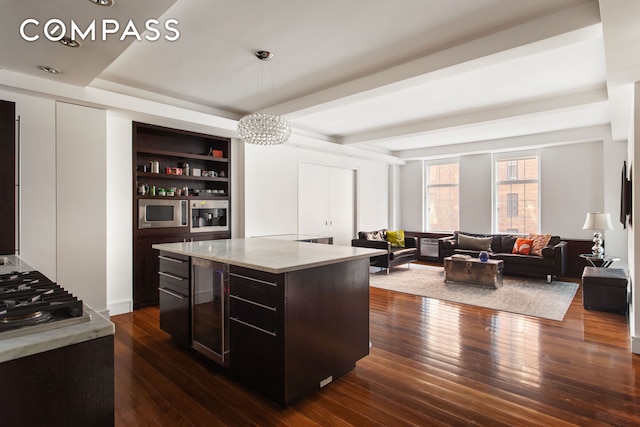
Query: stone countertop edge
x=269, y=255
x=39, y=342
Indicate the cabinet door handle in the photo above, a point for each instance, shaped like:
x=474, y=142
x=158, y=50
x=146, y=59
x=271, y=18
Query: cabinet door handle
x=235, y=319
x=162, y=273
x=166, y=258
x=173, y=294
x=254, y=280
x=253, y=302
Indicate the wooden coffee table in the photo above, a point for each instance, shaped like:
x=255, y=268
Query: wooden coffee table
x=472, y=271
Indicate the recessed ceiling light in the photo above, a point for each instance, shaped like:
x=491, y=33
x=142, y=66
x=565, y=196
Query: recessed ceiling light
x=49, y=70
x=105, y=3
x=69, y=42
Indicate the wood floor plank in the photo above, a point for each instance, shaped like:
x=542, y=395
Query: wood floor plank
x=432, y=363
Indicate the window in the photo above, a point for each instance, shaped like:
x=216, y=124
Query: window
x=442, y=202
x=517, y=195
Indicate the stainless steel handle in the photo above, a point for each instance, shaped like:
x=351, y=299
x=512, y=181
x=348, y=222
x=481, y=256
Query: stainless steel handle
x=235, y=319
x=254, y=280
x=173, y=294
x=166, y=258
x=253, y=302
x=162, y=273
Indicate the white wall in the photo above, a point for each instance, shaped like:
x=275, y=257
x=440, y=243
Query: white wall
x=119, y=208
x=81, y=202
x=575, y=179
x=634, y=235
x=37, y=181
x=475, y=193
x=270, y=196
x=411, y=196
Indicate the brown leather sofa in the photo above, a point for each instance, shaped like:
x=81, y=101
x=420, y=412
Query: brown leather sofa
x=395, y=255
x=552, y=263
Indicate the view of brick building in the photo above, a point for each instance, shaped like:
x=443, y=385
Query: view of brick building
x=517, y=196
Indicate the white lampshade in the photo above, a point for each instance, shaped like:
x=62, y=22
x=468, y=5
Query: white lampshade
x=597, y=221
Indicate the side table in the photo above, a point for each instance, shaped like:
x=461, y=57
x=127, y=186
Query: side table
x=603, y=261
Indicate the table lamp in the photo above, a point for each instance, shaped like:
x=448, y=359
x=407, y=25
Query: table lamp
x=598, y=222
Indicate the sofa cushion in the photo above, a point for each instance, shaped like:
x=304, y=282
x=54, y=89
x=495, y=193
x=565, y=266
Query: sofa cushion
x=401, y=252
x=372, y=235
x=539, y=242
x=522, y=246
x=517, y=259
x=396, y=238
x=474, y=243
x=507, y=241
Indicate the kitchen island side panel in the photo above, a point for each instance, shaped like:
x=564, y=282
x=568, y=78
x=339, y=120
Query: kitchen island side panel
x=69, y=386
x=326, y=324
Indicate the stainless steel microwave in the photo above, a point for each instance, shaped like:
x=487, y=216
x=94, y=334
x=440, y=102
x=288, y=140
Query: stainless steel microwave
x=162, y=213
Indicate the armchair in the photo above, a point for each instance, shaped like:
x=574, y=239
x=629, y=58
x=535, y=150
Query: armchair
x=395, y=255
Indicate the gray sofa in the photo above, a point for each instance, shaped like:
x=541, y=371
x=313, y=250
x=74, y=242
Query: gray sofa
x=394, y=256
x=552, y=263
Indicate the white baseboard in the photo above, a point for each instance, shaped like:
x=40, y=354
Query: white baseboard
x=635, y=345
x=120, y=307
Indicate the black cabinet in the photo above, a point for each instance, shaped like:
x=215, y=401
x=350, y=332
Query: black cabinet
x=208, y=157
x=175, y=295
x=256, y=317
x=295, y=332
x=7, y=177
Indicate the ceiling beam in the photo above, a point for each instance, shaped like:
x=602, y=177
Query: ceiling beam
x=566, y=27
x=519, y=143
x=478, y=117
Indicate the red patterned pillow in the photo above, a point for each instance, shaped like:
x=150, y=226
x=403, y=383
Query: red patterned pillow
x=539, y=242
x=522, y=246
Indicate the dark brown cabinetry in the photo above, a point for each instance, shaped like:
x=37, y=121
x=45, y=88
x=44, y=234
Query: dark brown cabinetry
x=7, y=177
x=173, y=149
x=175, y=296
x=69, y=386
x=295, y=332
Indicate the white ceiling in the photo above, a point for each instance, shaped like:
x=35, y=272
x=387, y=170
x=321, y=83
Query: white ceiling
x=397, y=77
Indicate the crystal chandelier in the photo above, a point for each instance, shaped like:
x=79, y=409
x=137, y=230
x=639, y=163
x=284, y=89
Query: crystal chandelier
x=262, y=128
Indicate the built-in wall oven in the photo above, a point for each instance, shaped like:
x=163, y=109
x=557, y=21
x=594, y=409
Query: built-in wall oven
x=162, y=213
x=209, y=307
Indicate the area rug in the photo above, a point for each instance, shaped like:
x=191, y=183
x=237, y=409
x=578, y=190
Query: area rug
x=530, y=297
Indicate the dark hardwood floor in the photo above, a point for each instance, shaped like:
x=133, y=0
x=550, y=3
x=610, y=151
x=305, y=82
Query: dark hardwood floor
x=431, y=363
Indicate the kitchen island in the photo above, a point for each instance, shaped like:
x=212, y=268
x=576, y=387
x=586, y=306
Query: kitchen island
x=298, y=312
x=59, y=375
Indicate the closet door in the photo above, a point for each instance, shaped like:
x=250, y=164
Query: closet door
x=326, y=202
x=341, y=205
x=313, y=196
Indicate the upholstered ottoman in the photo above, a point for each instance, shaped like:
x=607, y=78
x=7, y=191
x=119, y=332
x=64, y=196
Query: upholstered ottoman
x=604, y=289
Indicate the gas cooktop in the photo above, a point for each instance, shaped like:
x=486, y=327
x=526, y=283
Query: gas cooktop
x=30, y=302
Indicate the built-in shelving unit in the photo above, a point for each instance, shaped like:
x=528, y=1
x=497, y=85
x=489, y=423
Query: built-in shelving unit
x=173, y=149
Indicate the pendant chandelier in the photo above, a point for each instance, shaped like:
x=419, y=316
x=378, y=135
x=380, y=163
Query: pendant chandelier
x=262, y=128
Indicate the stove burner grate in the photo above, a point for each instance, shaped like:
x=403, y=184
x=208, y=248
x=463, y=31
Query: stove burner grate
x=29, y=298
x=10, y=322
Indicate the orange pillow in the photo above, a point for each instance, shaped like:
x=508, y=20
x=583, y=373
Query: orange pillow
x=539, y=242
x=522, y=246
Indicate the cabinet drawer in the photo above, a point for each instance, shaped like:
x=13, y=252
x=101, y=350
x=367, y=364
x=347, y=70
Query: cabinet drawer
x=182, y=287
x=264, y=318
x=256, y=290
x=174, y=264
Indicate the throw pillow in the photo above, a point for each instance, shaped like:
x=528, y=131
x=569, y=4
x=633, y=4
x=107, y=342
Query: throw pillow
x=396, y=238
x=522, y=246
x=539, y=242
x=474, y=243
x=372, y=235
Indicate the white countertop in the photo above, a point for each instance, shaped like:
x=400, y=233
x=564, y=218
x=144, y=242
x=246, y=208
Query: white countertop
x=11, y=263
x=39, y=342
x=270, y=255
x=26, y=345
